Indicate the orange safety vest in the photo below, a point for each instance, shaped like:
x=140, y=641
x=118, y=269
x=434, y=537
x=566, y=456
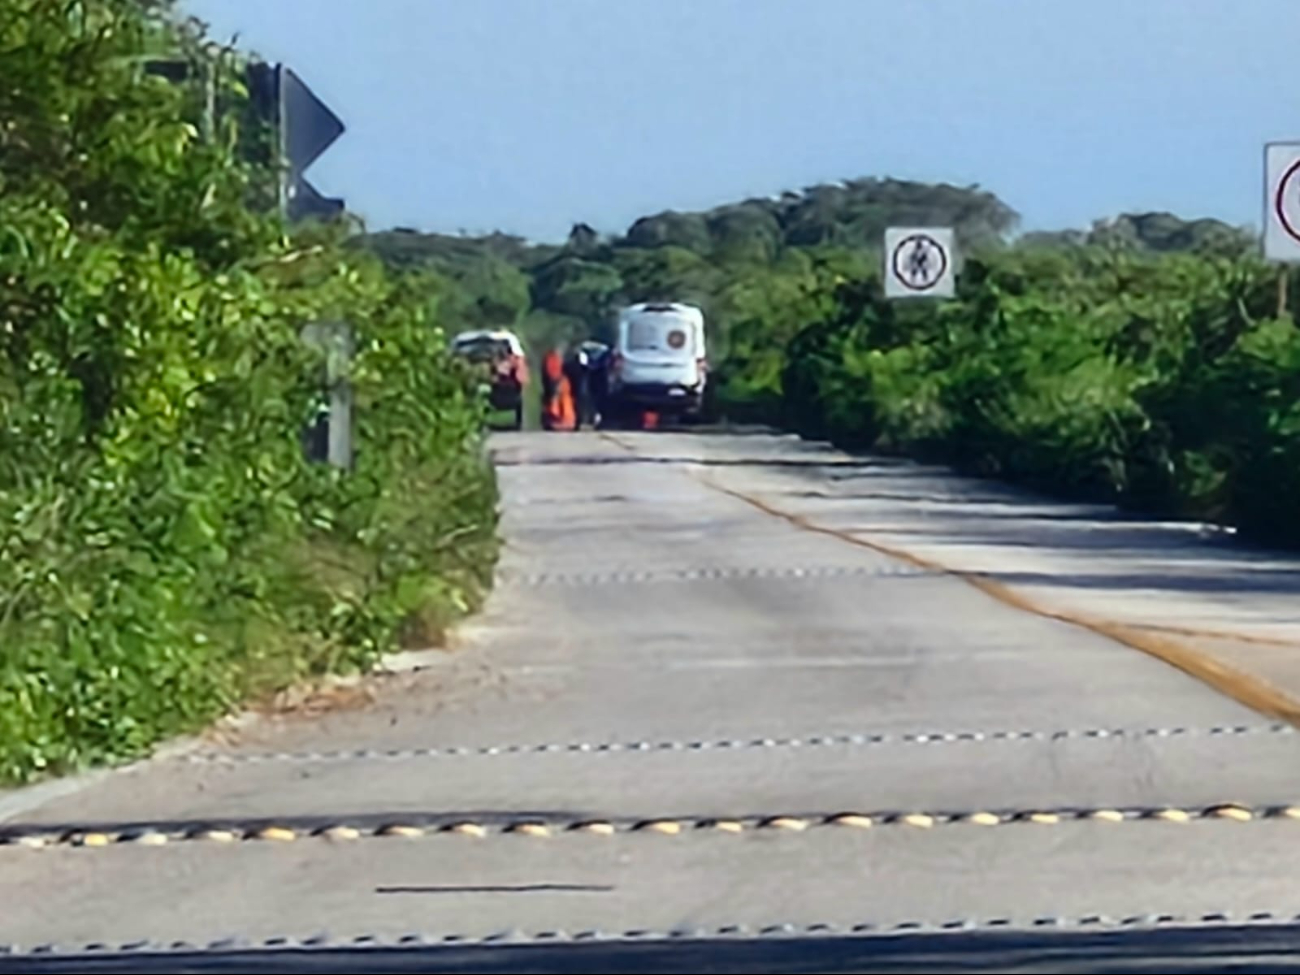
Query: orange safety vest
x=558, y=411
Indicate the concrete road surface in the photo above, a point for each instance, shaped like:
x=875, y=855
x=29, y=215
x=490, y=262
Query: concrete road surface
x=728, y=685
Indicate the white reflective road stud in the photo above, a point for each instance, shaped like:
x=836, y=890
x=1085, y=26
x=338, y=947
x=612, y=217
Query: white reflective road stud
x=469, y=829
x=341, y=833
x=668, y=827
x=537, y=830
x=599, y=828
x=728, y=826
x=1107, y=815
x=1238, y=814
x=276, y=834
x=790, y=823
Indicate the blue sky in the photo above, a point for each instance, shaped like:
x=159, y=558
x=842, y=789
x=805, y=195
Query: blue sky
x=528, y=115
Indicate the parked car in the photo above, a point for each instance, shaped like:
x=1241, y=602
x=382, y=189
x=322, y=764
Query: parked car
x=501, y=354
x=659, y=361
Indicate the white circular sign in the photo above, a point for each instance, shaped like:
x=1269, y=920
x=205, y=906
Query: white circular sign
x=1286, y=203
x=919, y=262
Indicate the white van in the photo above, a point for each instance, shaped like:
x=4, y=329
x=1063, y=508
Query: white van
x=659, y=360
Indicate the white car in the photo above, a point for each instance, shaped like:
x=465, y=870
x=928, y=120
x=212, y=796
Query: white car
x=503, y=354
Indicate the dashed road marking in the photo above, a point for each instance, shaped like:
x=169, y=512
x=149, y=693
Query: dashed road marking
x=777, y=930
x=417, y=826
x=631, y=576
x=855, y=740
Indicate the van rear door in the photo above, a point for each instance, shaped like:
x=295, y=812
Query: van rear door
x=661, y=345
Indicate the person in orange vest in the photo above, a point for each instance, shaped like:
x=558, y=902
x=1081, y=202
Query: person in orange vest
x=557, y=396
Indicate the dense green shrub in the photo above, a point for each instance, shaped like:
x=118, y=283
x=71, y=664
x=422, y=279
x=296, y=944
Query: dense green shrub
x=167, y=551
x=1157, y=382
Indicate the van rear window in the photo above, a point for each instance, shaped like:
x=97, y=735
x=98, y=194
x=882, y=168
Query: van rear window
x=659, y=333
x=643, y=335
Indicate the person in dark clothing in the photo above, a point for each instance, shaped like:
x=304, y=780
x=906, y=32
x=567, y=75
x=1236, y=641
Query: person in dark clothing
x=578, y=370
x=598, y=377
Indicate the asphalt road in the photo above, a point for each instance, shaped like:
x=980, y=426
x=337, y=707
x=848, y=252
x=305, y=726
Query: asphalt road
x=698, y=704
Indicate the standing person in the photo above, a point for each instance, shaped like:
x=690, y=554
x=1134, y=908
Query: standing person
x=557, y=395
x=598, y=378
x=577, y=370
x=552, y=373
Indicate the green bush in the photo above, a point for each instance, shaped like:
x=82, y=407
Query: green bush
x=1160, y=383
x=168, y=552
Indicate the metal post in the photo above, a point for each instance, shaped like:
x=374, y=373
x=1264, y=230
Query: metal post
x=335, y=339
x=340, y=429
x=281, y=143
x=1283, y=288
x=209, y=77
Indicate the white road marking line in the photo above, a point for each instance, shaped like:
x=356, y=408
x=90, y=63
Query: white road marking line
x=698, y=745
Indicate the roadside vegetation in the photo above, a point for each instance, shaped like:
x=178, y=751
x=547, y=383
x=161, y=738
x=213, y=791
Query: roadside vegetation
x=167, y=551
x=1142, y=361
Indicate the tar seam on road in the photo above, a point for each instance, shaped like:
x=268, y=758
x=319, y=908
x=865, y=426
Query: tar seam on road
x=1254, y=693
x=228, y=832
x=777, y=930
x=852, y=740
x=497, y=889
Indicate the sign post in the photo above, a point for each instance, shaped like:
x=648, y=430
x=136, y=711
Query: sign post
x=335, y=339
x=305, y=127
x=919, y=262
